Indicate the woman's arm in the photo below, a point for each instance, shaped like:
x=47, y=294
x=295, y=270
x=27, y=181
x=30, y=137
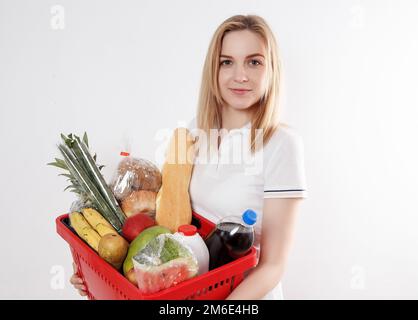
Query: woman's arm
x=279, y=217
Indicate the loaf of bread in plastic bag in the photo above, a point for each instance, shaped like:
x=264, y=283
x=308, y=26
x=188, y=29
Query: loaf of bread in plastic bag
x=135, y=174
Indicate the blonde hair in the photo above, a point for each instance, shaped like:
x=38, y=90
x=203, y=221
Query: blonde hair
x=210, y=100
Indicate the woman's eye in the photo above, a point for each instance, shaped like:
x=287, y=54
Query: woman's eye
x=229, y=62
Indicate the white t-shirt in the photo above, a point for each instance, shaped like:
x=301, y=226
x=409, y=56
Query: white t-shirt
x=222, y=185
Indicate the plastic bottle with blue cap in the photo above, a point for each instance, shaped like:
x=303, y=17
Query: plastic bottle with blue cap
x=231, y=239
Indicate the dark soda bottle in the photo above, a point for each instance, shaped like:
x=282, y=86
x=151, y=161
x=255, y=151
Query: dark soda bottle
x=231, y=239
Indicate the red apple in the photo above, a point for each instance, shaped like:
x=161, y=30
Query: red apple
x=135, y=224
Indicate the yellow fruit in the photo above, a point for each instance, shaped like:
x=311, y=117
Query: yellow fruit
x=113, y=248
x=104, y=230
x=97, y=221
x=85, y=230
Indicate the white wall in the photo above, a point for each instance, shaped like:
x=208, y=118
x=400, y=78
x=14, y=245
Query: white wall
x=123, y=70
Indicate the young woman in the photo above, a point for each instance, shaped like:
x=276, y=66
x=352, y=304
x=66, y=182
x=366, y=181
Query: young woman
x=240, y=95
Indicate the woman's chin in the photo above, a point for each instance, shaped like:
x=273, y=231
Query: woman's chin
x=240, y=106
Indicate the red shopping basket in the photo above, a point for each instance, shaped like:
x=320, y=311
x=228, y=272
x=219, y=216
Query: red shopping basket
x=103, y=282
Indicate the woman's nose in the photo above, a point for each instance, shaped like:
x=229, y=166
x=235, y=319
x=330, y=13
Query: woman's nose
x=240, y=75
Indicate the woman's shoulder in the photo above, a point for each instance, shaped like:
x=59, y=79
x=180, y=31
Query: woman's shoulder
x=284, y=135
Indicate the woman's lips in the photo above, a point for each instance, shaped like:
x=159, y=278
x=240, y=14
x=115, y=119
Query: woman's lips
x=240, y=92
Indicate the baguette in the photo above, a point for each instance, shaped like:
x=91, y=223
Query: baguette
x=173, y=207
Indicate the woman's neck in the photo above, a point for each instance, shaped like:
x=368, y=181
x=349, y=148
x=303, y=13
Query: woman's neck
x=235, y=119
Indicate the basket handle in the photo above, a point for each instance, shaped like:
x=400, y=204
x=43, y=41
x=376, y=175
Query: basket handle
x=196, y=222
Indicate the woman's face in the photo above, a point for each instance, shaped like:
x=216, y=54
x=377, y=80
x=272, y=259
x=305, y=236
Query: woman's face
x=242, y=66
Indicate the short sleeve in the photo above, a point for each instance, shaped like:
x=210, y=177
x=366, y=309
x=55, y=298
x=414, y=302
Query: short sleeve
x=284, y=171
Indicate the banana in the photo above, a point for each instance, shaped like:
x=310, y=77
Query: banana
x=84, y=230
x=104, y=230
x=97, y=221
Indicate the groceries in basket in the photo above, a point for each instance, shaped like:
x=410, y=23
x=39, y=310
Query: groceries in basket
x=188, y=235
x=232, y=238
x=136, y=246
x=163, y=263
x=113, y=248
x=86, y=179
x=128, y=206
x=135, y=224
x=173, y=207
x=136, y=184
x=100, y=235
x=135, y=174
x=130, y=222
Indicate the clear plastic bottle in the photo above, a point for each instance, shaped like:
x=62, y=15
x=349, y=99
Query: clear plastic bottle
x=188, y=235
x=231, y=239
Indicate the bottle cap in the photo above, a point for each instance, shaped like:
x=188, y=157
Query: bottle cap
x=249, y=217
x=187, y=229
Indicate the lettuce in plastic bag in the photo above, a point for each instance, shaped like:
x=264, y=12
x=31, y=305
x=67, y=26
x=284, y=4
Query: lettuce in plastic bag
x=163, y=263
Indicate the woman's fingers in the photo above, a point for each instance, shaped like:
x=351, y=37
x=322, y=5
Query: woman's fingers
x=80, y=287
x=82, y=293
x=78, y=282
x=75, y=268
x=75, y=279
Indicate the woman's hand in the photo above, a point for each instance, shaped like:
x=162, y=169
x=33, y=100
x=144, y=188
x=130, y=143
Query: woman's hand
x=78, y=283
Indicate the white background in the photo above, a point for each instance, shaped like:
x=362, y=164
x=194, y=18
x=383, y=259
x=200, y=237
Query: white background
x=124, y=70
